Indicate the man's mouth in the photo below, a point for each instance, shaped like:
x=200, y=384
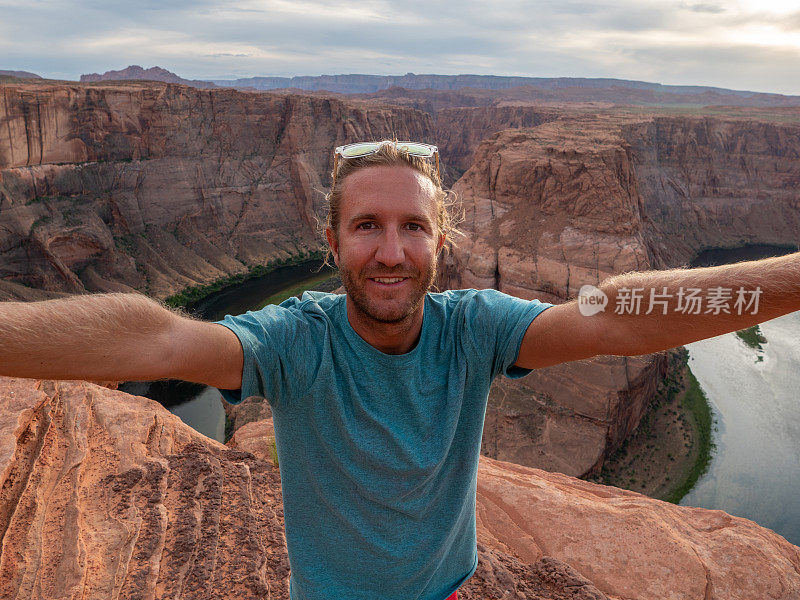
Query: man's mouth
x=388, y=280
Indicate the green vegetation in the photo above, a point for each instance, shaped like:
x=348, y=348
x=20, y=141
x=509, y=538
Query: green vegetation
x=228, y=428
x=694, y=414
x=753, y=337
x=195, y=293
x=125, y=244
x=696, y=405
x=71, y=217
x=43, y=220
x=298, y=290
x=273, y=451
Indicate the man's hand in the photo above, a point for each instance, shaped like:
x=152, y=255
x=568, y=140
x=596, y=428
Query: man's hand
x=667, y=313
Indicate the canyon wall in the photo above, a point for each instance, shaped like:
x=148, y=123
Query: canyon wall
x=547, y=210
x=459, y=131
x=710, y=182
x=107, y=495
x=579, y=198
x=156, y=187
x=153, y=187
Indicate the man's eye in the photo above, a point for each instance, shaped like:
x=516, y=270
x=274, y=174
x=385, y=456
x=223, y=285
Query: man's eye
x=415, y=227
x=365, y=225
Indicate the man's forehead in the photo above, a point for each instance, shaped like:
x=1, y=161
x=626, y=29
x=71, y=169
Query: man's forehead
x=387, y=185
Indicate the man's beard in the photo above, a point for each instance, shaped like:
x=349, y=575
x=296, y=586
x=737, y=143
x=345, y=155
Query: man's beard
x=377, y=310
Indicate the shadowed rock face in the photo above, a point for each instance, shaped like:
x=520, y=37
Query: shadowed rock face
x=459, y=131
x=574, y=200
x=107, y=495
x=709, y=183
x=158, y=187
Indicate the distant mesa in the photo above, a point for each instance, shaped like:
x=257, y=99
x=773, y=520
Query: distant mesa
x=135, y=72
x=416, y=89
x=558, y=89
x=20, y=74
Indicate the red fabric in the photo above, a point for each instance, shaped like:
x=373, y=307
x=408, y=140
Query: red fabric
x=454, y=596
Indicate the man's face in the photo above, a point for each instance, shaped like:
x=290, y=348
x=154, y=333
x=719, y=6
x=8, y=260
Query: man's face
x=387, y=242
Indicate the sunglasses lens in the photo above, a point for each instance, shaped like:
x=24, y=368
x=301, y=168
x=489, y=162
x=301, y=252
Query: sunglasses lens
x=415, y=149
x=362, y=149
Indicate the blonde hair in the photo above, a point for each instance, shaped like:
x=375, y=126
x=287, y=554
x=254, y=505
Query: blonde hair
x=448, y=211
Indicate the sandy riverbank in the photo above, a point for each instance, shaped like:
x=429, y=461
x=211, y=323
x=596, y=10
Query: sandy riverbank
x=672, y=445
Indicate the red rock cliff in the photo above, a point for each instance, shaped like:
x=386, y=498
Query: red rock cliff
x=711, y=182
x=548, y=210
x=574, y=200
x=106, y=495
x=157, y=187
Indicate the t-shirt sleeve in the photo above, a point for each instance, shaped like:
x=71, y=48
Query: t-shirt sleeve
x=277, y=353
x=499, y=322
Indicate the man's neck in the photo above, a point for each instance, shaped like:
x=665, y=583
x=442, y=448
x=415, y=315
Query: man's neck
x=389, y=338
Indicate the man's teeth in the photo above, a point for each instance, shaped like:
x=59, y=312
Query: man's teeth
x=388, y=279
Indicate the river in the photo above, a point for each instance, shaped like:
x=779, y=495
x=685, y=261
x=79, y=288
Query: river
x=755, y=398
x=201, y=406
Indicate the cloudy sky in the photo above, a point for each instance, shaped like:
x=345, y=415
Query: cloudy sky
x=739, y=44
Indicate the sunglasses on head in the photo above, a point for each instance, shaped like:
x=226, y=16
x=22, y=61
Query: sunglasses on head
x=359, y=149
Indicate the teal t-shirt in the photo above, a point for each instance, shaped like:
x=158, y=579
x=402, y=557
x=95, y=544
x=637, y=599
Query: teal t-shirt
x=378, y=453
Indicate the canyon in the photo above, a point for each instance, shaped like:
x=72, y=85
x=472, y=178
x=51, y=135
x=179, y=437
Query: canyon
x=575, y=200
x=158, y=187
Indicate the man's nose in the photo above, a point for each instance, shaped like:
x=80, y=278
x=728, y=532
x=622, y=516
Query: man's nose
x=390, y=250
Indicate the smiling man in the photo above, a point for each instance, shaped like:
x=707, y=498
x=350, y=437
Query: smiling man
x=378, y=395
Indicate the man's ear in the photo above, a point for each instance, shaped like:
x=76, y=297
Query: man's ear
x=333, y=243
x=440, y=243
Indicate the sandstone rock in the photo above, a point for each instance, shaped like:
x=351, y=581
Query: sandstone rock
x=548, y=210
x=159, y=186
x=251, y=411
x=255, y=437
x=709, y=182
x=577, y=199
x=628, y=545
x=155, y=187
x=459, y=131
x=109, y=495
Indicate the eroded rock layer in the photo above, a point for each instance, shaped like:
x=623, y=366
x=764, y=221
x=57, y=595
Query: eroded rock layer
x=156, y=187
x=106, y=495
x=716, y=183
x=159, y=187
x=574, y=200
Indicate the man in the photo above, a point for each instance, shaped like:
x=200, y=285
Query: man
x=378, y=396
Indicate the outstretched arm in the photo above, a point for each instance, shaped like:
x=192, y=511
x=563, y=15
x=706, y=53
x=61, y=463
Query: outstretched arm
x=656, y=310
x=114, y=337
